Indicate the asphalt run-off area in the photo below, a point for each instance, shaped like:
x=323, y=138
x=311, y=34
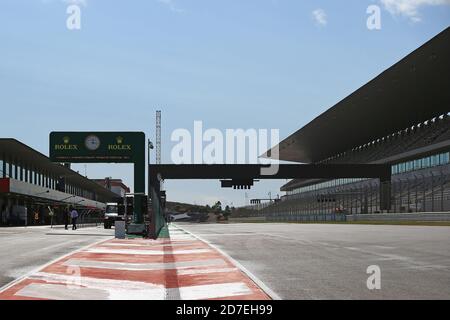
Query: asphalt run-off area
x=256, y=261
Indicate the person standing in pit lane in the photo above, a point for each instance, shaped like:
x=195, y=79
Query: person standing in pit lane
x=74, y=216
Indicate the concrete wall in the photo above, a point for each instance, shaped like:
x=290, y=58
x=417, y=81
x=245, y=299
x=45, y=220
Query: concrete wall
x=432, y=216
x=251, y=219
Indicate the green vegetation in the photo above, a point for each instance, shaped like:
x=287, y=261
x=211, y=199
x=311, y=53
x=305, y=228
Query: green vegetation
x=185, y=207
x=217, y=209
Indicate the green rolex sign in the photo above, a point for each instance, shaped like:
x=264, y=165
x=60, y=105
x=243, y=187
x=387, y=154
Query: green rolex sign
x=92, y=147
x=104, y=147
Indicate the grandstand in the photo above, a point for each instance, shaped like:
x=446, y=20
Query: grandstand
x=399, y=118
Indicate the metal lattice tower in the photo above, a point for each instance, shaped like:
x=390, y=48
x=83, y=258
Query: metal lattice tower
x=158, y=137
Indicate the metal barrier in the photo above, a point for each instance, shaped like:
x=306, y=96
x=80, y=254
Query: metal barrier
x=313, y=217
x=158, y=222
x=87, y=222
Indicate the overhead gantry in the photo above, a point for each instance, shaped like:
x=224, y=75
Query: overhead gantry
x=243, y=176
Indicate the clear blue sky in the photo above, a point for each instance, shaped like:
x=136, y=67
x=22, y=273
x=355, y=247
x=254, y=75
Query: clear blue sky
x=232, y=64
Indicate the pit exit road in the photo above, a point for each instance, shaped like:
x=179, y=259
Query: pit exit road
x=320, y=261
x=24, y=249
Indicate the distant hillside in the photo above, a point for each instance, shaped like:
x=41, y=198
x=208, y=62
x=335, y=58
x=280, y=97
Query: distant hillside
x=215, y=213
x=185, y=207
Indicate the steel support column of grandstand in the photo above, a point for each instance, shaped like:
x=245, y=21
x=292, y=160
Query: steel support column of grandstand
x=242, y=172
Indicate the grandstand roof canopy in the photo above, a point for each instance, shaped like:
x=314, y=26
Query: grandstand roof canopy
x=413, y=90
x=18, y=150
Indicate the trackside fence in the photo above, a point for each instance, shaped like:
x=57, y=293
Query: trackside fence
x=321, y=217
x=159, y=213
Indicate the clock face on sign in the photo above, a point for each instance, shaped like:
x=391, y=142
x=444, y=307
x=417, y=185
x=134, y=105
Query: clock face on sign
x=92, y=143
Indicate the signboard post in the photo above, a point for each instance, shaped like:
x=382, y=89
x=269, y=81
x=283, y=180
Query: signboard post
x=105, y=147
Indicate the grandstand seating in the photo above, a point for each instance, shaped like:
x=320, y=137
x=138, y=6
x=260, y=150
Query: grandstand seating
x=419, y=190
x=426, y=190
x=432, y=131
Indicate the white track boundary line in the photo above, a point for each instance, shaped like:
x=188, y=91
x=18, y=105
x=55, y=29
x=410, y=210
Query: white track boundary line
x=28, y=274
x=254, y=278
